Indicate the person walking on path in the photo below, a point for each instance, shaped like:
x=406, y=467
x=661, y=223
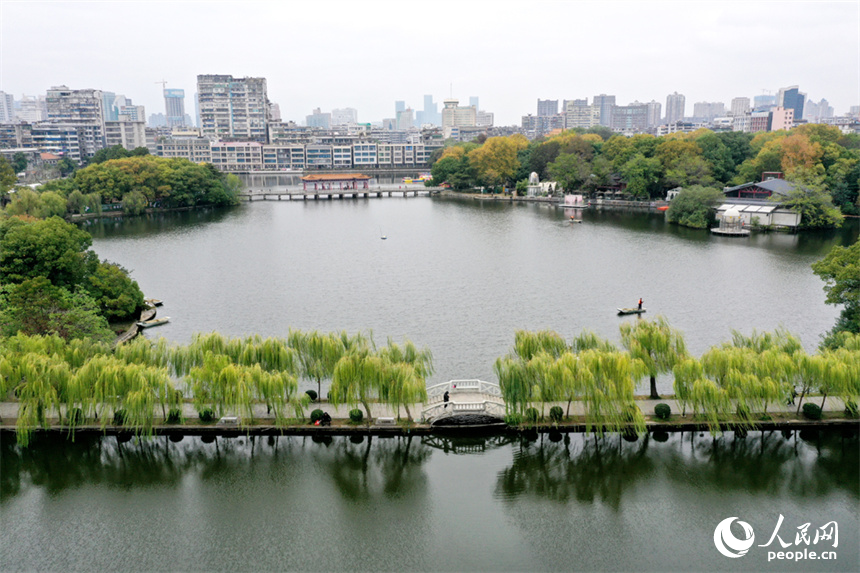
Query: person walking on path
x=445, y=398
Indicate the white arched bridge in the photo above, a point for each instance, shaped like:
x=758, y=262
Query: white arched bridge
x=464, y=397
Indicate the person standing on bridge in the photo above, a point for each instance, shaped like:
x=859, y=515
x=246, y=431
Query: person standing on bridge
x=445, y=398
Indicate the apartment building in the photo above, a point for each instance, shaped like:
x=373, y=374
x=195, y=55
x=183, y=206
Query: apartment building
x=233, y=109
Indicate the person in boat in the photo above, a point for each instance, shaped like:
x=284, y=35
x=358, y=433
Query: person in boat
x=640, y=303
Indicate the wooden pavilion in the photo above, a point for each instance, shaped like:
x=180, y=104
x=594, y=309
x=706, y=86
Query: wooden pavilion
x=329, y=181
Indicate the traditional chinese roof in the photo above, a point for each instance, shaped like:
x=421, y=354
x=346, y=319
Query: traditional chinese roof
x=336, y=177
x=49, y=156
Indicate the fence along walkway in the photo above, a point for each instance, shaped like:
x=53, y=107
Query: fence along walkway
x=465, y=397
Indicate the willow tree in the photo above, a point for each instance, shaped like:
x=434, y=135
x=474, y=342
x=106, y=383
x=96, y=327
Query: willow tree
x=404, y=379
x=588, y=340
x=317, y=354
x=572, y=375
x=609, y=394
x=356, y=379
x=515, y=383
x=527, y=344
x=686, y=373
x=656, y=344
x=711, y=401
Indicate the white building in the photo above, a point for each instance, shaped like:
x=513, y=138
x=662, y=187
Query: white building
x=233, y=108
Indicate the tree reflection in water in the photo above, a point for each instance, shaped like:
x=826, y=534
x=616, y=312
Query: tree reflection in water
x=577, y=467
x=587, y=468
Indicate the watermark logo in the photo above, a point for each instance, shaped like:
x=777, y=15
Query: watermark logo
x=728, y=544
x=731, y=546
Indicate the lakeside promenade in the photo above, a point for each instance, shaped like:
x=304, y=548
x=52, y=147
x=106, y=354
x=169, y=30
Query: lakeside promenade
x=781, y=417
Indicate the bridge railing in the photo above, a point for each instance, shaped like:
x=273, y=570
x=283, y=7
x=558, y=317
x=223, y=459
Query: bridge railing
x=436, y=392
x=442, y=410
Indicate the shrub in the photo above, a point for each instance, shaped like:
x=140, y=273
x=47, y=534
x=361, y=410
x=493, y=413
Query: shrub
x=174, y=416
x=75, y=416
x=662, y=411
x=851, y=409
x=556, y=414
x=513, y=419
x=812, y=411
x=356, y=415
x=316, y=415
x=532, y=415
x=206, y=415
x=312, y=394
x=119, y=417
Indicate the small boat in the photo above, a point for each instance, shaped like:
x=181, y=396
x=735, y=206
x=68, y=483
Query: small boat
x=383, y=237
x=663, y=208
x=153, y=322
x=631, y=310
x=153, y=301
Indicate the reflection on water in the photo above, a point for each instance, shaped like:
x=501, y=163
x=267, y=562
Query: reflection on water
x=777, y=464
x=364, y=503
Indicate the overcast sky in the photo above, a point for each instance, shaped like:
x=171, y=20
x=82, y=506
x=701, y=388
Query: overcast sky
x=367, y=54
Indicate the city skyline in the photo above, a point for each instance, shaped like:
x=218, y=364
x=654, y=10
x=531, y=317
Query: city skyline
x=706, y=55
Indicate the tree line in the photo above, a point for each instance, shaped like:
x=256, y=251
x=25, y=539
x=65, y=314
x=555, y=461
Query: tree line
x=82, y=379
x=133, y=181
x=734, y=382
x=820, y=158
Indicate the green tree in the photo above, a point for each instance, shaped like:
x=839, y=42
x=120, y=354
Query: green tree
x=570, y=170
x=53, y=204
x=134, y=203
x=317, y=354
x=656, y=344
x=19, y=162
x=495, y=162
x=813, y=203
x=642, y=175
x=694, y=206
x=66, y=166
x=117, y=295
x=840, y=271
x=7, y=176
x=50, y=248
x=36, y=307
x=25, y=201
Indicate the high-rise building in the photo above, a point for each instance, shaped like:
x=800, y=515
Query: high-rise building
x=82, y=109
x=706, y=111
x=174, y=107
x=577, y=113
x=764, y=102
x=32, y=109
x=740, y=106
x=815, y=112
x=7, y=108
x=405, y=119
x=399, y=105
x=233, y=109
x=431, y=112
x=630, y=118
x=675, y=107
x=546, y=107
x=655, y=113
x=319, y=119
x=455, y=116
x=604, y=103
x=791, y=98
x=473, y=101
x=344, y=116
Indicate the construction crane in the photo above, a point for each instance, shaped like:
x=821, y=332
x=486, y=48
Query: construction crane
x=163, y=83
